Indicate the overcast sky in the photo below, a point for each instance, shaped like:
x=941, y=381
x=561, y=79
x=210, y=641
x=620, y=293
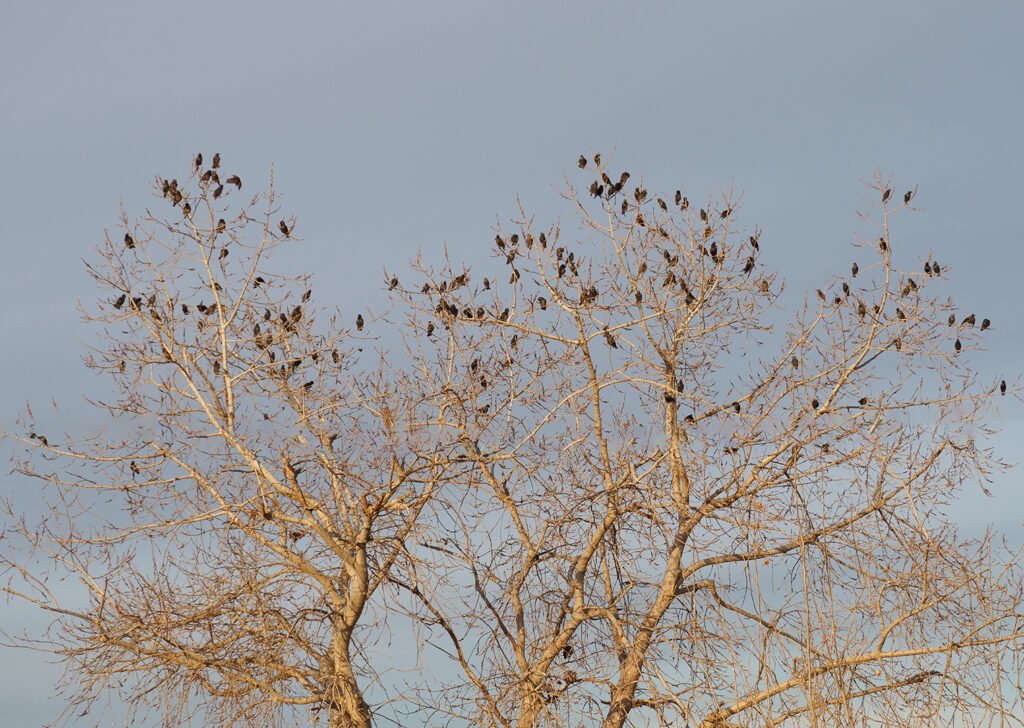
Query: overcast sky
x=395, y=127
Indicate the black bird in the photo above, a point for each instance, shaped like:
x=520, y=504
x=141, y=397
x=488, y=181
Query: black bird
x=969, y=320
x=726, y=212
x=187, y=209
x=821, y=294
x=307, y=295
x=393, y=284
x=861, y=309
x=900, y=315
x=487, y=284
x=887, y=194
x=703, y=215
x=907, y=196
x=597, y=159
x=582, y=162
x=639, y=297
x=218, y=192
x=936, y=269
x=736, y=406
x=957, y=345
x=1002, y=387
x=684, y=204
x=120, y=300
x=335, y=356
x=543, y=303
x=216, y=160
x=669, y=398
x=679, y=196
x=133, y=467
x=898, y=343
x=985, y=323
x=234, y=180
x=359, y=322
x=504, y=315
x=754, y=242
x=129, y=242
x=854, y=269
x=862, y=401
x=221, y=225
x=624, y=206
x=951, y=320
x=430, y=328
x=223, y=253
x=184, y=308
x=283, y=227
x=594, y=187
x=882, y=245
x=795, y=362
x=623, y=178
x=927, y=267
x=846, y=288
x=815, y=404
x=543, y=240
x=198, y=161
x=257, y=281
x=207, y=176
x=499, y=242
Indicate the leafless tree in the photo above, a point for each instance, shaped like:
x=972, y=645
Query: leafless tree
x=606, y=480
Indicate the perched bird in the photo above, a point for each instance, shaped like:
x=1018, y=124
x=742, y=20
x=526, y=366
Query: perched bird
x=499, y=242
x=951, y=320
x=900, y=315
x=821, y=294
x=736, y=406
x=886, y=194
x=703, y=215
x=968, y=320
x=218, y=192
x=283, y=227
x=187, y=209
x=129, y=241
x=684, y=204
x=861, y=310
x=907, y=196
x=223, y=253
x=679, y=197
x=882, y=245
x=258, y=281
x=543, y=303
x=543, y=240
x=862, y=401
x=487, y=284
x=669, y=398
x=207, y=176
x=927, y=267
x=234, y=180
x=335, y=356
x=221, y=225
x=582, y=162
x=815, y=404
x=430, y=328
x=359, y=322
x=393, y=284
x=1002, y=387
x=846, y=288
x=597, y=159
x=795, y=362
x=985, y=323
x=120, y=300
x=184, y=308
x=726, y=212
x=639, y=297
x=935, y=268
x=133, y=467
x=854, y=269
x=957, y=345
x=504, y=315
x=307, y=295
x=216, y=160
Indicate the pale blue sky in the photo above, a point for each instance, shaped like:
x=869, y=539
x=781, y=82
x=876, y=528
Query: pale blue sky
x=399, y=126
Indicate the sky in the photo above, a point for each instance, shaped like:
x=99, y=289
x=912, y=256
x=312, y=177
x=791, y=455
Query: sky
x=399, y=127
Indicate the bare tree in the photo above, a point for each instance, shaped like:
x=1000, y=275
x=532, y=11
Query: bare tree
x=608, y=480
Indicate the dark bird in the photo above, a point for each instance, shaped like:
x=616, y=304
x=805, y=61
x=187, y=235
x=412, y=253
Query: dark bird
x=985, y=323
x=900, y=315
x=223, y=253
x=198, y=161
x=597, y=159
x=257, y=281
x=187, y=209
x=862, y=401
x=887, y=194
x=684, y=204
x=951, y=320
x=221, y=225
x=907, y=196
x=594, y=187
x=129, y=241
x=623, y=178
x=234, y=180
x=120, y=300
x=669, y=398
x=393, y=284
x=927, y=267
x=499, y=242
x=430, y=329
x=968, y=320
x=936, y=269
x=846, y=288
x=283, y=227
x=815, y=404
x=726, y=212
x=662, y=205
x=335, y=356
x=216, y=160
x=703, y=215
x=898, y=343
x=487, y=284
x=679, y=197
x=307, y=295
x=207, y=176
x=218, y=192
x=854, y=269
x=543, y=240
x=882, y=245
x=184, y=308
x=359, y=322
x=861, y=309
x=821, y=294
x=1002, y=387
x=957, y=345
x=582, y=162
x=133, y=467
x=795, y=362
x=543, y=303
x=736, y=406
x=639, y=297
x=504, y=315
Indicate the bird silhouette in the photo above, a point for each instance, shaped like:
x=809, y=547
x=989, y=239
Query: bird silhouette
x=187, y=209
x=283, y=227
x=815, y=404
x=223, y=253
x=951, y=320
x=1002, y=387
x=393, y=284
x=543, y=303
x=129, y=242
x=120, y=300
x=736, y=406
x=216, y=160
x=795, y=362
x=907, y=196
x=927, y=267
x=218, y=192
x=582, y=162
x=985, y=323
x=882, y=245
x=359, y=322
x=597, y=159
x=684, y=204
x=221, y=225
x=307, y=295
x=639, y=298
x=430, y=328
x=184, y=308
x=887, y=194
x=935, y=268
x=198, y=162
x=234, y=180
x=968, y=320
x=854, y=269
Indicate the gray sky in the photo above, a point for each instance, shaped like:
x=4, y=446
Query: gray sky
x=400, y=126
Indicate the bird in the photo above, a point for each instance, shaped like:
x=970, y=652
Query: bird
x=184, y=308
x=898, y=343
x=133, y=467
x=679, y=197
x=968, y=320
x=504, y=315
x=223, y=253
x=736, y=406
x=543, y=240
x=684, y=204
x=882, y=245
x=985, y=323
x=862, y=401
x=283, y=227
x=257, y=281
x=487, y=284
x=198, y=162
x=430, y=328
x=795, y=362
x=951, y=320
x=861, y=310
x=821, y=294
x=854, y=269
x=815, y=404
x=907, y=196
x=927, y=267
x=218, y=192
x=543, y=303
x=307, y=295
x=221, y=225
x=597, y=159
x=900, y=315
x=207, y=176
x=187, y=209
x=234, y=180
x=957, y=345
x=726, y=212
x=216, y=160
x=662, y=205
x=129, y=241
x=639, y=297
x=846, y=288
x=669, y=398
x=582, y=162
x=120, y=300
x=359, y=322
x=886, y=194
x=935, y=268
x=703, y=215
x=393, y=284
x=499, y=242
x=1002, y=387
